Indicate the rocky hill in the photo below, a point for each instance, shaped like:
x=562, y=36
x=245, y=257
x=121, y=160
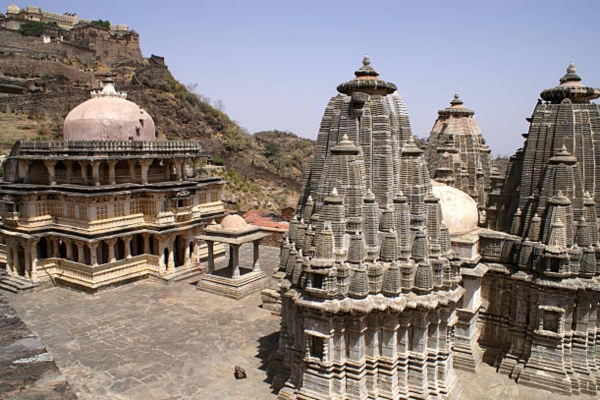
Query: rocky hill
x=41, y=82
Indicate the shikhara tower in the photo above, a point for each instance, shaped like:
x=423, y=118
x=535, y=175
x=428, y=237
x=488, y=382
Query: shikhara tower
x=457, y=154
x=543, y=286
x=370, y=292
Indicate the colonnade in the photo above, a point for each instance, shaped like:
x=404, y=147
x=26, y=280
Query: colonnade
x=98, y=172
x=173, y=251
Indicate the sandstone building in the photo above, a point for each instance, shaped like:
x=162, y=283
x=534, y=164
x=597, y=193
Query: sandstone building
x=457, y=154
x=543, y=291
x=371, y=295
x=108, y=205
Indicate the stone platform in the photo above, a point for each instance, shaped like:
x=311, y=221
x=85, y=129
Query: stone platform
x=150, y=341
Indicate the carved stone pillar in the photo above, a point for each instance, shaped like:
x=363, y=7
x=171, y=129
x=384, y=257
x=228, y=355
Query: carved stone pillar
x=179, y=169
x=127, y=245
x=211, y=257
x=234, y=253
x=84, y=171
x=145, y=164
x=10, y=266
x=256, y=254
x=55, y=248
x=111, y=172
x=162, y=266
x=171, y=263
x=69, y=165
x=50, y=164
x=93, y=246
x=32, y=244
x=132, y=177
x=196, y=161
x=146, y=248
x=96, y=172
x=80, y=252
x=24, y=170
x=111, y=249
x=69, y=249
x=186, y=254
x=27, y=266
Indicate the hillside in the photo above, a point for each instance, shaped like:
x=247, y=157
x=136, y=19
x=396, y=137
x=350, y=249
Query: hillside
x=41, y=83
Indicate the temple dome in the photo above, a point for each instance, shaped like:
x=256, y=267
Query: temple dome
x=459, y=209
x=12, y=9
x=233, y=222
x=108, y=116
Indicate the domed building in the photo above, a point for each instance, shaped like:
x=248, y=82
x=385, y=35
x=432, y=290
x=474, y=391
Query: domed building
x=108, y=115
x=370, y=292
x=108, y=205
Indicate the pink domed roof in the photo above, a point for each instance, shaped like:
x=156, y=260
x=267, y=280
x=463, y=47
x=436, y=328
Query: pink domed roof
x=108, y=116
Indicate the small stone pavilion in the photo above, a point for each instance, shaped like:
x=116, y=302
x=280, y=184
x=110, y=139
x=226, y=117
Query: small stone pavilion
x=371, y=301
x=233, y=281
x=457, y=154
x=108, y=205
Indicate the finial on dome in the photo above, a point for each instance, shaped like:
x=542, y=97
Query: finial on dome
x=456, y=101
x=366, y=60
x=571, y=75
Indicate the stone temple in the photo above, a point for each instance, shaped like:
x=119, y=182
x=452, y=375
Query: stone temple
x=457, y=154
x=108, y=205
x=371, y=294
x=542, y=288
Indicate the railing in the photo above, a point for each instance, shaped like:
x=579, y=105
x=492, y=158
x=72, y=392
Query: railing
x=112, y=146
x=105, y=274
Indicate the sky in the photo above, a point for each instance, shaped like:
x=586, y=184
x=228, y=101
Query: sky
x=275, y=64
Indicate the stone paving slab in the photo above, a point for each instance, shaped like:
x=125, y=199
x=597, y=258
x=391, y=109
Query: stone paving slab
x=151, y=341
x=27, y=370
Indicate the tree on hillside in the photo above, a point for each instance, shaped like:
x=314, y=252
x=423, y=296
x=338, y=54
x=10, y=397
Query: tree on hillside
x=36, y=28
x=271, y=151
x=101, y=23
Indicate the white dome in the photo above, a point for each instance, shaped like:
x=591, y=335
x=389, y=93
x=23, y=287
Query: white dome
x=12, y=9
x=460, y=210
x=234, y=222
x=108, y=116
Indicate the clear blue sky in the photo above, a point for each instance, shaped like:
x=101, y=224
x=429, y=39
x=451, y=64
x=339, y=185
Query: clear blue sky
x=275, y=64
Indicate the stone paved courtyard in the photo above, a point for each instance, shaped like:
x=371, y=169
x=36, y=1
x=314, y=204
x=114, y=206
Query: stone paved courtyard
x=151, y=341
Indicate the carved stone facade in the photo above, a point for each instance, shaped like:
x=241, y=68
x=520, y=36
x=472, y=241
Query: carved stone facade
x=457, y=154
x=370, y=294
x=542, y=288
x=95, y=214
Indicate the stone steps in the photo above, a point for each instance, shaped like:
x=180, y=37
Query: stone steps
x=16, y=284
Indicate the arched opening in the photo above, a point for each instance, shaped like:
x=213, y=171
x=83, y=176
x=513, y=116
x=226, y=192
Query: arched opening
x=38, y=173
x=122, y=172
x=60, y=172
x=120, y=251
x=104, y=174
x=86, y=254
x=158, y=171
x=42, y=248
x=62, y=249
x=90, y=174
x=180, y=248
x=166, y=256
x=103, y=256
x=76, y=176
